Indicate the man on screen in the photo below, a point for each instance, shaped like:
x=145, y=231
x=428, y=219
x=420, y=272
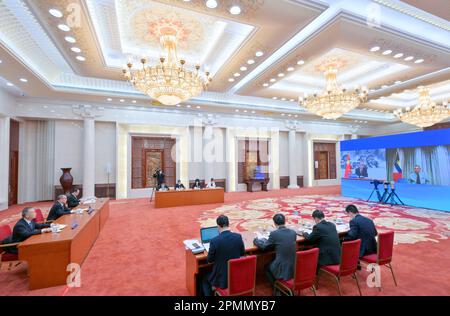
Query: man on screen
x=361, y=171
x=418, y=177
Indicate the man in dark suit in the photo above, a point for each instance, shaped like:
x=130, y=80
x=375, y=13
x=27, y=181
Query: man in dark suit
x=25, y=228
x=164, y=187
x=197, y=184
x=284, y=241
x=361, y=171
x=222, y=248
x=179, y=186
x=159, y=175
x=59, y=209
x=72, y=199
x=362, y=228
x=325, y=236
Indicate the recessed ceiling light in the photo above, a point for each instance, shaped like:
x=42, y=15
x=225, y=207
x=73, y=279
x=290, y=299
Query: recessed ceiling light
x=292, y=100
x=64, y=27
x=419, y=61
x=75, y=50
x=283, y=99
x=253, y=112
x=212, y=4
x=237, y=74
x=384, y=86
x=198, y=107
x=56, y=13
x=243, y=68
x=122, y=100
x=375, y=49
x=409, y=58
x=9, y=84
x=291, y=69
x=300, y=62
x=273, y=80
x=281, y=75
x=245, y=111
x=231, y=80
x=70, y=39
x=398, y=82
x=23, y=80
x=237, y=110
x=259, y=54
x=265, y=85
x=250, y=62
x=134, y=101
x=275, y=98
x=282, y=114
x=109, y=99
x=235, y=10
x=1, y=61
x=387, y=52
x=81, y=58
x=188, y=106
x=398, y=55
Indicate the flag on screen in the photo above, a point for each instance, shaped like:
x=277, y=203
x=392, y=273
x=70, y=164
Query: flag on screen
x=398, y=172
x=348, y=167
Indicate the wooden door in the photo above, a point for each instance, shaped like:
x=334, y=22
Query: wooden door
x=13, y=177
x=323, y=165
x=153, y=159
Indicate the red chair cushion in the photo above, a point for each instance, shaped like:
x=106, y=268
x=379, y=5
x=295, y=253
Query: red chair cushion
x=9, y=257
x=370, y=258
x=222, y=292
x=289, y=283
x=334, y=268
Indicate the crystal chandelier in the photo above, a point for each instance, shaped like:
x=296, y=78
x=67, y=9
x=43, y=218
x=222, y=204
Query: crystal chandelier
x=426, y=113
x=334, y=101
x=169, y=81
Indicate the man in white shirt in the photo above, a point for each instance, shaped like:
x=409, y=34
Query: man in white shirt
x=211, y=184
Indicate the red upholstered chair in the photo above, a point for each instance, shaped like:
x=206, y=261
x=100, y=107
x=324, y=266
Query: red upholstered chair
x=348, y=266
x=385, y=250
x=5, y=231
x=304, y=274
x=241, y=277
x=39, y=217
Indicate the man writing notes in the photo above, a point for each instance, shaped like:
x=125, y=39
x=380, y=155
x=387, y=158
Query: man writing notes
x=325, y=235
x=284, y=241
x=226, y=246
x=179, y=186
x=26, y=227
x=361, y=228
x=72, y=199
x=418, y=177
x=211, y=184
x=59, y=209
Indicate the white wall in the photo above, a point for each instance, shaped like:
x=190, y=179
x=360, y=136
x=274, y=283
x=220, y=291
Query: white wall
x=7, y=103
x=105, y=152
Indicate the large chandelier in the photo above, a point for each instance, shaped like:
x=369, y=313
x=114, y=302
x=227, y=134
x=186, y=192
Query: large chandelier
x=426, y=113
x=335, y=101
x=168, y=81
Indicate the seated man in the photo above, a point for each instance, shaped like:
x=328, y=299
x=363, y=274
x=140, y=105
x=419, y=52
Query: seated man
x=325, y=235
x=59, y=209
x=362, y=228
x=164, y=187
x=197, y=185
x=284, y=240
x=211, y=184
x=222, y=248
x=179, y=186
x=418, y=177
x=25, y=228
x=72, y=199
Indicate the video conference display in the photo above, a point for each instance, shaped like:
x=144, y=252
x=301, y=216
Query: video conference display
x=417, y=165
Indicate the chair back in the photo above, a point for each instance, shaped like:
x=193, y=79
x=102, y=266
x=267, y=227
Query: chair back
x=242, y=276
x=39, y=216
x=305, y=269
x=385, y=247
x=5, y=231
x=349, y=257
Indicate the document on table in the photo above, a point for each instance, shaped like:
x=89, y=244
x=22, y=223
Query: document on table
x=189, y=244
x=262, y=235
x=342, y=228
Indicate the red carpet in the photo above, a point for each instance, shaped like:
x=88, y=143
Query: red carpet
x=140, y=250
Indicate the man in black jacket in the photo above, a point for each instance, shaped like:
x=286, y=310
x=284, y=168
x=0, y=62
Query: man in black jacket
x=325, y=236
x=26, y=227
x=179, y=186
x=362, y=228
x=284, y=241
x=72, y=199
x=59, y=209
x=222, y=248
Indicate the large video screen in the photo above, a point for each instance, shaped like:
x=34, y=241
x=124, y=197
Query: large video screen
x=365, y=164
x=417, y=164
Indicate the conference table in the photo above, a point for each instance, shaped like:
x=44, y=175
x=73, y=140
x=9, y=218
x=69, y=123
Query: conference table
x=189, y=197
x=48, y=255
x=197, y=265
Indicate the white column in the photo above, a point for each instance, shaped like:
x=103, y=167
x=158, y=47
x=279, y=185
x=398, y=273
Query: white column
x=292, y=161
x=89, y=158
x=4, y=162
x=208, y=159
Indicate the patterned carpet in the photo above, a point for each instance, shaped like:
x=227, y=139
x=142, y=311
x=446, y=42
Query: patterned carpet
x=411, y=225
